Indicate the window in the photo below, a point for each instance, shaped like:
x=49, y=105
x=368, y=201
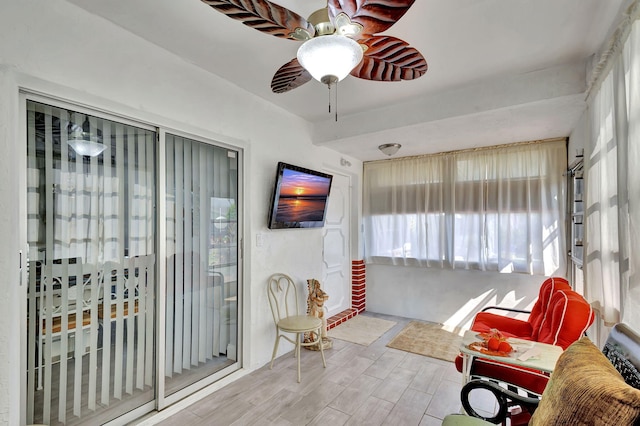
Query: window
x=499, y=209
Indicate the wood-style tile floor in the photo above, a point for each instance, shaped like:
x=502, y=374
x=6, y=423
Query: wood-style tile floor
x=362, y=385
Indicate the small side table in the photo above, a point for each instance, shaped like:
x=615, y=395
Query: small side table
x=544, y=356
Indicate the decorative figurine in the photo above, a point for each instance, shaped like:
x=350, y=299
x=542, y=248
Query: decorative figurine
x=315, y=307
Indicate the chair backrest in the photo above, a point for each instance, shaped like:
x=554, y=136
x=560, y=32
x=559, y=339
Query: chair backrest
x=568, y=317
x=67, y=281
x=283, y=297
x=132, y=279
x=622, y=348
x=63, y=290
x=540, y=308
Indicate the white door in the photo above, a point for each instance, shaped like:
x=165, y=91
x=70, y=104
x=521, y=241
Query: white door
x=336, y=274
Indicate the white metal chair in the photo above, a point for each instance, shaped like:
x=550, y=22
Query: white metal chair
x=62, y=294
x=283, y=299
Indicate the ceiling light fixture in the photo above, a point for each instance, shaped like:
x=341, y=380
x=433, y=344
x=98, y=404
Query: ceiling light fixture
x=390, y=148
x=329, y=58
x=83, y=142
x=88, y=147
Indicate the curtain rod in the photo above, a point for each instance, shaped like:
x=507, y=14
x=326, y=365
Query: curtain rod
x=477, y=149
x=601, y=69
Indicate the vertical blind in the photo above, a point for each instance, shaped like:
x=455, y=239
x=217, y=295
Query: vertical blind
x=496, y=209
x=92, y=265
x=91, y=295
x=201, y=243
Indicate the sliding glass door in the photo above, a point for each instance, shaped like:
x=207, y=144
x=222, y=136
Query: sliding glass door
x=202, y=261
x=92, y=292
x=129, y=308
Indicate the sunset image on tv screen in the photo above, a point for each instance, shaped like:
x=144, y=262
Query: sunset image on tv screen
x=302, y=197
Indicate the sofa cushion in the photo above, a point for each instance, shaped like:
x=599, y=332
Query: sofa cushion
x=585, y=389
x=622, y=348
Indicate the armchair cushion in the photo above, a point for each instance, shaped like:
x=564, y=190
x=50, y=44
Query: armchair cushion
x=510, y=327
x=533, y=381
x=567, y=319
x=586, y=389
x=540, y=308
x=529, y=329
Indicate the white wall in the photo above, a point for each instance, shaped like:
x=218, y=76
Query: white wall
x=13, y=299
x=578, y=138
x=60, y=50
x=57, y=49
x=445, y=296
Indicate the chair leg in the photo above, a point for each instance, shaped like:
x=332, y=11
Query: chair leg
x=298, y=353
x=320, y=343
x=275, y=349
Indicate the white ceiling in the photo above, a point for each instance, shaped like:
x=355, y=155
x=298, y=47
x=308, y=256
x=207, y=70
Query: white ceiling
x=500, y=71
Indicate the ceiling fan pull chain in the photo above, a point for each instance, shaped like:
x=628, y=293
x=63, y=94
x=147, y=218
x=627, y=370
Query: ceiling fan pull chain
x=336, y=108
x=329, y=86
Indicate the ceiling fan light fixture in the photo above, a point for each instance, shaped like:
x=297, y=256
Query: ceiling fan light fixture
x=321, y=22
x=83, y=141
x=87, y=147
x=389, y=148
x=330, y=58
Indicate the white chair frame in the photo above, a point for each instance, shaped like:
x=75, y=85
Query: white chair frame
x=283, y=299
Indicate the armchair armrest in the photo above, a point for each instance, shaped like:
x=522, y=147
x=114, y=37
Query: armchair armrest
x=510, y=327
x=504, y=397
x=522, y=311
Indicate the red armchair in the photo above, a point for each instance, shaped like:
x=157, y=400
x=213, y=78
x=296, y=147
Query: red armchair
x=560, y=316
x=529, y=329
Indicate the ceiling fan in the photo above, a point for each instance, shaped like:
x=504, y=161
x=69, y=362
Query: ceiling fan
x=346, y=26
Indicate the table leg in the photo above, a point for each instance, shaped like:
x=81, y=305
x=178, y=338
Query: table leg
x=466, y=368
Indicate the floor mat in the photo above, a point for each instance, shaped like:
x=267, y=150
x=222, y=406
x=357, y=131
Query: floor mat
x=428, y=339
x=361, y=329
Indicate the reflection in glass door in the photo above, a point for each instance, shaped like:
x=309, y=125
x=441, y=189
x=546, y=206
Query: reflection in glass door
x=202, y=261
x=92, y=288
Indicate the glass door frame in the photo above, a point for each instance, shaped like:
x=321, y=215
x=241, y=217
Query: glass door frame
x=161, y=401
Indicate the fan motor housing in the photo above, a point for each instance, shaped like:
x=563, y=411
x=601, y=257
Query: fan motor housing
x=320, y=20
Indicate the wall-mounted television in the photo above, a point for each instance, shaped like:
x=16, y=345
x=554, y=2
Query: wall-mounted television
x=299, y=198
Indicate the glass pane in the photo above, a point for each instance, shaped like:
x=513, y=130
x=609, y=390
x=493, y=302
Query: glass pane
x=202, y=261
x=91, y=296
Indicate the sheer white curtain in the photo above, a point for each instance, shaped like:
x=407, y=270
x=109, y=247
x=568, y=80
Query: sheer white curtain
x=612, y=281
x=499, y=209
x=632, y=78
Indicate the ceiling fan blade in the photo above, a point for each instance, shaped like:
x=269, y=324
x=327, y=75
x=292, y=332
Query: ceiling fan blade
x=289, y=76
x=266, y=17
x=389, y=59
x=374, y=15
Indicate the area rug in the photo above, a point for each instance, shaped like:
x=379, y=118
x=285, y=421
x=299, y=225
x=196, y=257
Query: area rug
x=361, y=329
x=428, y=339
